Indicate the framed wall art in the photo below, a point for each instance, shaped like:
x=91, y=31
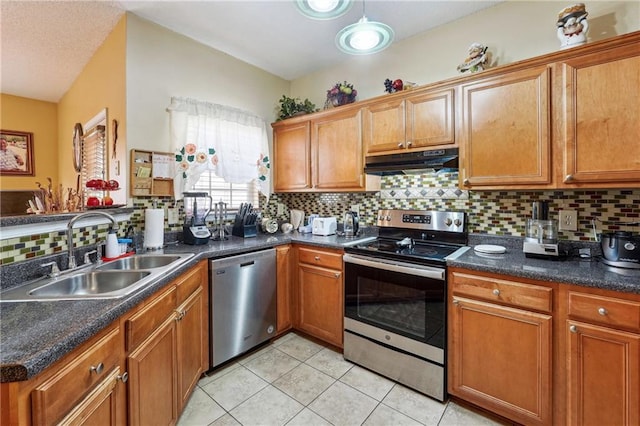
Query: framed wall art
x=16, y=153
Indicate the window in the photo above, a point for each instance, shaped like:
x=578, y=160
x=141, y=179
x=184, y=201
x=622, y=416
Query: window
x=233, y=194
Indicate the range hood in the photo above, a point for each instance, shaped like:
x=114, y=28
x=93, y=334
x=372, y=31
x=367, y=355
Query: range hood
x=411, y=162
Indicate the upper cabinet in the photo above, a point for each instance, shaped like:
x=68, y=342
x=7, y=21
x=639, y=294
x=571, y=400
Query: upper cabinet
x=601, y=117
x=292, y=156
x=505, y=129
x=416, y=120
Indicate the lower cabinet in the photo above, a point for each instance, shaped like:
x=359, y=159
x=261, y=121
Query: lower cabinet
x=284, y=320
x=500, y=351
x=320, y=293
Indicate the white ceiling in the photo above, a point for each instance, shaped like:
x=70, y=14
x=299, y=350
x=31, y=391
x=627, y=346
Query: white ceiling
x=45, y=44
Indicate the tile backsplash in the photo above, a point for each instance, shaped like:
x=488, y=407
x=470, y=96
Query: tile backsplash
x=489, y=212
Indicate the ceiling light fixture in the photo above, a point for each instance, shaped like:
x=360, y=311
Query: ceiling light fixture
x=323, y=9
x=364, y=37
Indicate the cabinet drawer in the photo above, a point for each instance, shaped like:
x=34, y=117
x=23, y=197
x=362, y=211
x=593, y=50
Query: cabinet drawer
x=55, y=397
x=510, y=293
x=189, y=282
x=320, y=258
x=142, y=324
x=604, y=310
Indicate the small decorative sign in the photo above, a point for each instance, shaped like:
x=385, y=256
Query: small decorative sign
x=16, y=153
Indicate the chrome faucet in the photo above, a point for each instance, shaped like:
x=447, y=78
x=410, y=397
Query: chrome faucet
x=72, y=259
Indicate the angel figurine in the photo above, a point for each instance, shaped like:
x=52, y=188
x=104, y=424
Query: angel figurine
x=476, y=60
x=572, y=26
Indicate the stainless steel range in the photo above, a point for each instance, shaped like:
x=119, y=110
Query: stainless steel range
x=395, y=297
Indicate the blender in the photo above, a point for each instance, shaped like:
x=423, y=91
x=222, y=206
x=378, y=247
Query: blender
x=541, y=239
x=197, y=206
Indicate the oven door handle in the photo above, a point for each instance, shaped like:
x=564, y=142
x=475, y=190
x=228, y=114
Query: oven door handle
x=403, y=268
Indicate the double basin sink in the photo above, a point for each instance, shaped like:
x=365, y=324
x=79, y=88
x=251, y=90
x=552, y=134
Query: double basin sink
x=109, y=280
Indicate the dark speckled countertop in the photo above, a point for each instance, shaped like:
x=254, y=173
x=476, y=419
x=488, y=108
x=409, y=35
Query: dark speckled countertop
x=33, y=335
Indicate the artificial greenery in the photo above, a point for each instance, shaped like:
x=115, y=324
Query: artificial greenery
x=294, y=106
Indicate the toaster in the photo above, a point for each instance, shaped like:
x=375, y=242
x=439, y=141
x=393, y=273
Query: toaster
x=324, y=226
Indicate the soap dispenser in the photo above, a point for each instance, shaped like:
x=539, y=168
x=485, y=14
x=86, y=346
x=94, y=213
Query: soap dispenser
x=112, y=249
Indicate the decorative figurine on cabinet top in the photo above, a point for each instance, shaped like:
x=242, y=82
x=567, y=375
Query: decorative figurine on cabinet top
x=476, y=60
x=572, y=26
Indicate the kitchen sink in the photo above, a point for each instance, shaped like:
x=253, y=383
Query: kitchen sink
x=109, y=280
x=90, y=283
x=141, y=261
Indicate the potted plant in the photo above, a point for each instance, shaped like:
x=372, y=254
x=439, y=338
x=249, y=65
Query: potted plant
x=290, y=107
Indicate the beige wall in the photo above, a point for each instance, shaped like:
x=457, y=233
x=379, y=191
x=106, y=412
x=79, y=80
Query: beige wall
x=100, y=85
x=41, y=119
x=162, y=64
x=513, y=30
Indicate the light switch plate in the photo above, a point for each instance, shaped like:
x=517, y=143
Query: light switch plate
x=172, y=216
x=568, y=220
x=280, y=211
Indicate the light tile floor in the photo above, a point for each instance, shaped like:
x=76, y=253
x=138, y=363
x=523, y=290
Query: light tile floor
x=294, y=381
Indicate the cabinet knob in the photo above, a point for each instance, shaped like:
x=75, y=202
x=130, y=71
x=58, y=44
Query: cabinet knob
x=123, y=377
x=317, y=258
x=573, y=329
x=568, y=178
x=602, y=311
x=465, y=182
x=456, y=302
x=180, y=315
x=409, y=143
x=97, y=368
x=337, y=274
x=400, y=145
x=496, y=292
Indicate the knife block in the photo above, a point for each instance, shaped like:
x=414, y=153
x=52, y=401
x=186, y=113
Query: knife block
x=244, y=231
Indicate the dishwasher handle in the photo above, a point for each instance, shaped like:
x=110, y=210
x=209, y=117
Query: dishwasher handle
x=242, y=265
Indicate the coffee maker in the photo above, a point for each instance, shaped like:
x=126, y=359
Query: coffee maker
x=541, y=240
x=197, y=206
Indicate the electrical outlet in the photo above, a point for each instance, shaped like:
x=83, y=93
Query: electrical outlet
x=356, y=208
x=280, y=211
x=568, y=220
x=172, y=216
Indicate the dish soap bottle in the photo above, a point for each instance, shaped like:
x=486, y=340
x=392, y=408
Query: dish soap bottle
x=112, y=249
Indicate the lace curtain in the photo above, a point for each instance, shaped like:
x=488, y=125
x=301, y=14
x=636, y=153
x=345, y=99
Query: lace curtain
x=228, y=141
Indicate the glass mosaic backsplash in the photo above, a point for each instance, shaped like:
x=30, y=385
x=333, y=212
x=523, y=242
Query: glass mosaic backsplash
x=489, y=212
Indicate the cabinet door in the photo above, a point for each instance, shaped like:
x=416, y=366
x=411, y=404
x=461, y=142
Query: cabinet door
x=191, y=341
x=292, y=157
x=500, y=359
x=321, y=303
x=338, y=162
x=283, y=279
x=153, y=378
x=603, y=374
x=105, y=405
x=601, y=117
x=430, y=119
x=505, y=130
x=384, y=127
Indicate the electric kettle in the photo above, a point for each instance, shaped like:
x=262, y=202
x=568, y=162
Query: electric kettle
x=350, y=224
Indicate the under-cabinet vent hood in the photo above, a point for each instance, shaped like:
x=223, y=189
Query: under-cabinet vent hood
x=412, y=162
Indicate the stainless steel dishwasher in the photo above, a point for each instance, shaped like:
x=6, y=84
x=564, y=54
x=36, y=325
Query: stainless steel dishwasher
x=243, y=303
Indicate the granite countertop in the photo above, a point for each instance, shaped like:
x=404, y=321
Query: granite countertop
x=590, y=272
x=33, y=335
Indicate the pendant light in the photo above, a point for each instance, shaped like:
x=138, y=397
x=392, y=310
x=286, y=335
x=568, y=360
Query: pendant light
x=364, y=37
x=323, y=9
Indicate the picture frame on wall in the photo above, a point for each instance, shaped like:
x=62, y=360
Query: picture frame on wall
x=16, y=153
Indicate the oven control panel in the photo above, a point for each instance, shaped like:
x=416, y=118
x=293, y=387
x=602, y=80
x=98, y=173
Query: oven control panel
x=422, y=219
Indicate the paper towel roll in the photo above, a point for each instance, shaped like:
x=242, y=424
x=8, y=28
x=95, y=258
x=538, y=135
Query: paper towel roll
x=153, y=228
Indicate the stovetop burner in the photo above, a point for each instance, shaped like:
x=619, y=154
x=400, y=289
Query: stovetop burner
x=419, y=250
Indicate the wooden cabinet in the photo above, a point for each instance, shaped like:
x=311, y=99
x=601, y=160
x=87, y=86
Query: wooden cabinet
x=600, y=118
x=320, y=293
x=602, y=359
x=323, y=153
x=505, y=130
x=500, y=346
x=151, y=173
x=284, y=288
x=411, y=122
x=292, y=156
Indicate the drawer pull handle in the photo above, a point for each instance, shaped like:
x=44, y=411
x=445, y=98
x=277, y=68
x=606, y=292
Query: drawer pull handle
x=97, y=368
x=124, y=377
x=573, y=329
x=496, y=292
x=602, y=311
x=317, y=258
